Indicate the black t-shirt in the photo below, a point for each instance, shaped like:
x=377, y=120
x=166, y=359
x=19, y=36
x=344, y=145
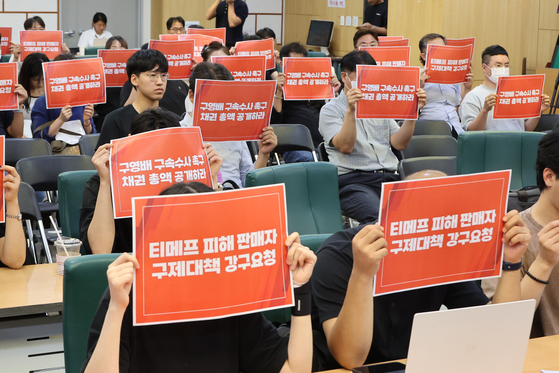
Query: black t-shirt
x=232, y=35
x=377, y=15
x=247, y=343
x=117, y=124
x=123, y=227
x=173, y=99
x=102, y=110
x=6, y=119
x=393, y=313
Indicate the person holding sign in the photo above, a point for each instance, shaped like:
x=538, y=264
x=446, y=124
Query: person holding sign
x=175, y=25
x=13, y=247
x=230, y=14
x=476, y=110
x=365, y=37
x=11, y=122
x=361, y=149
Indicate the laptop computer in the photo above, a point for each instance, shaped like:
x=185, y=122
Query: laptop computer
x=99, y=42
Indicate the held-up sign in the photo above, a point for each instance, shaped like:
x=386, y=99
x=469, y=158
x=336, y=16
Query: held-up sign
x=389, y=56
x=462, y=43
x=208, y=256
x=393, y=43
x=47, y=42
x=244, y=68
x=8, y=81
x=179, y=55
x=74, y=82
x=114, y=64
x=307, y=78
x=448, y=65
x=519, y=97
x=199, y=42
x=213, y=32
x=390, y=38
x=169, y=37
x=145, y=164
x=456, y=239
x=230, y=110
x=6, y=33
x=2, y=162
x=388, y=92
x=258, y=48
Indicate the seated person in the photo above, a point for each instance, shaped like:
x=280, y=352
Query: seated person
x=97, y=31
x=541, y=277
x=237, y=162
x=175, y=25
x=245, y=343
x=99, y=231
x=353, y=328
x=268, y=33
x=476, y=110
x=361, y=149
x=11, y=122
x=13, y=247
x=365, y=37
x=31, y=78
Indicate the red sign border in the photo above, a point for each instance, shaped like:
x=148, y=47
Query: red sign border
x=100, y=51
x=542, y=76
x=263, y=58
x=259, y=42
x=15, y=100
x=367, y=49
x=22, y=56
x=429, y=46
x=309, y=98
x=174, y=41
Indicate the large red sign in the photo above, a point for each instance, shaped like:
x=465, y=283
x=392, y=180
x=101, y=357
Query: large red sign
x=307, y=78
x=174, y=37
x=74, y=82
x=258, y=48
x=6, y=39
x=213, y=32
x=390, y=38
x=8, y=81
x=462, y=43
x=114, y=64
x=200, y=41
x=233, y=110
x=179, y=55
x=389, y=56
x=519, y=97
x=245, y=68
x=47, y=42
x=388, y=92
x=448, y=64
x=393, y=43
x=192, y=247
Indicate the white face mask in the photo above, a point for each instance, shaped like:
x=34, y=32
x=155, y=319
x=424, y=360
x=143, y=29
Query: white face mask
x=353, y=83
x=497, y=72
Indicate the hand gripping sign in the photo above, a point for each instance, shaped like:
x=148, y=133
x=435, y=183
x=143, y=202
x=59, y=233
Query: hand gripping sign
x=208, y=255
x=213, y=32
x=47, y=42
x=448, y=64
x=114, y=64
x=307, y=78
x=8, y=81
x=6, y=34
x=74, y=82
x=442, y=230
x=389, y=56
x=199, y=42
x=179, y=55
x=519, y=97
x=244, y=68
x=145, y=164
x=230, y=110
x=388, y=92
x=257, y=48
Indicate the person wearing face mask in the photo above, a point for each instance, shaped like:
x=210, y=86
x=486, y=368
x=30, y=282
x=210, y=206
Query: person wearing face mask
x=476, y=110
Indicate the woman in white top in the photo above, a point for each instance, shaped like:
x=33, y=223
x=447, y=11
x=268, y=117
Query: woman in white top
x=96, y=32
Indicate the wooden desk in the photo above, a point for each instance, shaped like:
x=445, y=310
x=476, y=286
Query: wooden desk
x=541, y=354
x=30, y=290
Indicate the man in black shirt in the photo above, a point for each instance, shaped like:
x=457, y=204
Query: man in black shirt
x=230, y=14
x=376, y=16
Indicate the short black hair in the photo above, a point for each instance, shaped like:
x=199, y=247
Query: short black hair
x=32, y=67
x=186, y=188
x=362, y=32
x=426, y=39
x=146, y=60
x=295, y=47
x=153, y=119
x=354, y=58
x=548, y=157
x=209, y=71
x=100, y=17
x=172, y=20
x=120, y=39
x=266, y=33
x=64, y=57
x=253, y=37
x=192, y=25
x=493, y=50
x=28, y=24
x=214, y=46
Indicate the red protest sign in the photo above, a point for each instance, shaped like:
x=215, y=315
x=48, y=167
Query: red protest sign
x=74, y=82
x=245, y=68
x=199, y=42
x=2, y=162
x=179, y=55
x=388, y=92
x=390, y=38
x=145, y=164
x=462, y=43
x=6, y=34
x=230, y=110
x=8, y=80
x=448, y=65
x=389, y=56
x=258, y=48
x=47, y=42
x=114, y=65
x=394, y=43
x=192, y=247
x=169, y=37
x=213, y=32
x=307, y=78
x=456, y=239
x=519, y=97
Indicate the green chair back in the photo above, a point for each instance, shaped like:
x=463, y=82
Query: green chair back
x=315, y=54
x=6, y=58
x=482, y=151
x=92, y=51
x=85, y=280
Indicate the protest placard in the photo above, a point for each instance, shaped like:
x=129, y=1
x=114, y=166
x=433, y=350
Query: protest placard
x=213, y=32
x=5, y=40
x=2, y=162
x=200, y=41
x=462, y=43
x=47, y=42
x=258, y=48
x=179, y=55
x=519, y=97
x=230, y=110
x=388, y=92
x=448, y=64
x=442, y=230
x=390, y=38
x=74, y=82
x=114, y=65
x=389, y=56
x=207, y=256
x=394, y=43
x=145, y=164
x=8, y=81
x=307, y=78
x=174, y=37
x=244, y=68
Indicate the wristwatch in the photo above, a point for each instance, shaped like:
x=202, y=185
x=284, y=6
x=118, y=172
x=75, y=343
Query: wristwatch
x=512, y=266
x=18, y=216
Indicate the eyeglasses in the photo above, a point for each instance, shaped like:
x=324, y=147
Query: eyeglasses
x=177, y=29
x=155, y=77
x=371, y=44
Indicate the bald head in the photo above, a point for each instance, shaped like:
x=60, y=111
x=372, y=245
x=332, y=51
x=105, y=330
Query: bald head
x=426, y=174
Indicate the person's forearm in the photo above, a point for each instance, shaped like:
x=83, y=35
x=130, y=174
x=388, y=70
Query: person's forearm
x=88, y=126
x=16, y=128
x=14, y=247
x=508, y=288
x=381, y=31
x=55, y=127
x=261, y=161
x=300, y=347
x=464, y=91
x=345, y=140
x=278, y=102
x=212, y=11
x=531, y=124
x=105, y=357
x=532, y=289
x=101, y=231
x=232, y=18
x=401, y=139
x=478, y=124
